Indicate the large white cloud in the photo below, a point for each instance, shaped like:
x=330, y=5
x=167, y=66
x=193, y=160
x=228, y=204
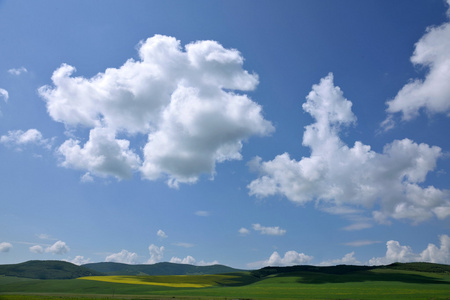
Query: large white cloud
x=186, y=103
x=432, y=93
x=290, y=258
x=398, y=253
x=58, y=247
x=337, y=176
x=123, y=256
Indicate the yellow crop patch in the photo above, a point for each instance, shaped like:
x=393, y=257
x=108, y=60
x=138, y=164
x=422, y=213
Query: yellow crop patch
x=177, y=281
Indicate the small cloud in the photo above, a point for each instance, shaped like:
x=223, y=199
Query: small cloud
x=36, y=249
x=4, y=94
x=17, y=71
x=189, y=260
x=156, y=254
x=184, y=245
x=290, y=258
x=202, y=213
x=79, y=260
x=361, y=243
x=22, y=138
x=357, y=226
x=44, y=236
x=87, y=177
x=348, y=259
x=58, y=248
x=123, y=256
x=161, y=234
x=244, y=231
x=5, y=247
x=269, y=230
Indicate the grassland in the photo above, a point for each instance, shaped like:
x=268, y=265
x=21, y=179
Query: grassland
x=379, y=283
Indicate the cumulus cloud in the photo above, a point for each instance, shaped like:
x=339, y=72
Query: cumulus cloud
x=156, y=254
x=348, y=259
x=4, y=94
x=79, y=260
x=432, y=93
x=161, y=234
x=398, y=253
x=269, y=230
x=5, y=247
x=17, y=71
x=36, y=249
x=337, y=176
x=290, y=258
x=187, y=102
x=123, y=256
x=21, y=138
x=58, y=247
x=189, y=260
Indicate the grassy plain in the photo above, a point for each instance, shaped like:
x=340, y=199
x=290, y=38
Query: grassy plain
x=369, y=284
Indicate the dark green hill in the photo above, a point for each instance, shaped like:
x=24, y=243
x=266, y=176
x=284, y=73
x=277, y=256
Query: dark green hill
x=46, y=269
x=163, y=268
x=420, y=267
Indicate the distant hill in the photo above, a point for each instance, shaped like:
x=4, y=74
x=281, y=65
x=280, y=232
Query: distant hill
x=46, y=269
x=162, y=268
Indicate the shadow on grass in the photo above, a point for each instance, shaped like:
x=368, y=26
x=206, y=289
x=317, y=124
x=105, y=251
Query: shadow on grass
x=362, y=276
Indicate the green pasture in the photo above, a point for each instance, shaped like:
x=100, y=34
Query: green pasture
x=370, y=284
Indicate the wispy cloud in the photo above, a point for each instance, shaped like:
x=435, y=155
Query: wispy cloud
x=361, y=243
x=17, y=71
x=184, y=245
x=202, y=213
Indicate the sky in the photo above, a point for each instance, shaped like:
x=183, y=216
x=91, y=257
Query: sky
x=244, y=133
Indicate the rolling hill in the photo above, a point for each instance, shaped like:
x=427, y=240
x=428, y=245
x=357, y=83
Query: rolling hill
x=49, y=269
x=162, y=268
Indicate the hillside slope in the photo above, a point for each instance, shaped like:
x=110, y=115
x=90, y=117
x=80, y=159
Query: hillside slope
x=46, y=269
x=163, y=268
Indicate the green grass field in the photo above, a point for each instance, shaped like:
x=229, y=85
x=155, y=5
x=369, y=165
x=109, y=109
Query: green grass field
x=370, y=284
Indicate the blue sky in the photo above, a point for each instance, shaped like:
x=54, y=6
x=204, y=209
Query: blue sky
x=236, y=132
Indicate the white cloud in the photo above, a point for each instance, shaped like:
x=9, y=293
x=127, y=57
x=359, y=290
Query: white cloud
x=398, y=253
x=22, y=138
x=361, y=243
x=58, y=247
x=357, y=226
x=156, y=254
x=87, y=177
x=17, y=71
x=5, y=247
x=102, y=154
x=269, y=230
x=123, y=256
x=432, y=93
x=44, y=236
x=79, y=260
x=244, y=231
x=4, y=94
x=335, y=175
x=184, y=245
x=290, y=258
x=185, y=102
x=161, y=234
x=36, y=249
x=202, y=213
x=348, y=259
x=189, y=260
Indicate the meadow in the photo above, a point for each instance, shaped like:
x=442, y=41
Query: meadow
x=367, y=284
